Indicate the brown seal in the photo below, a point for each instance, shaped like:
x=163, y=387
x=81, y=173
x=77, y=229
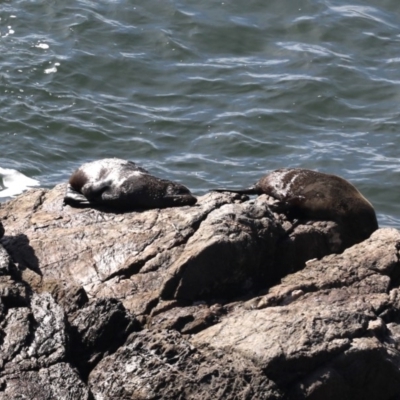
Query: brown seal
x=307, y=194
x=122, y=186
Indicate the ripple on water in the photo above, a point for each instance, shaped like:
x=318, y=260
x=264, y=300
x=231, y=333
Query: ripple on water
x=209, y=94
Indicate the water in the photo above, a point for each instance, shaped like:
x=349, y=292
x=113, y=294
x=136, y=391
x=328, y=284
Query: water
x=209, y=94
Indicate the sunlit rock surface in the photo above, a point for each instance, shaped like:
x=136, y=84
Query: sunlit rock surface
x=224, y=299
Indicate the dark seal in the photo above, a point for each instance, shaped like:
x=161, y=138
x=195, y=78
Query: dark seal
x=123, y=186
x=307, y=194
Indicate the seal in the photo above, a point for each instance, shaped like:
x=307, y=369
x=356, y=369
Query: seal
x=122, y=185
x=306, y=194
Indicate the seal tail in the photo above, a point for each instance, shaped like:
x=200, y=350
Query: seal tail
x=250, y=190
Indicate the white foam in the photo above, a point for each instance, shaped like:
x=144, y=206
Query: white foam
x=42, y=46
x=50, y=70
x=12, y=182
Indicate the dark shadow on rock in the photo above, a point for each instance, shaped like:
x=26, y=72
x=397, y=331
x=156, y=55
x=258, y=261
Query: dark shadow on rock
x=98, y=330
x=21, y=252
x=187, y=319
x=112, y=210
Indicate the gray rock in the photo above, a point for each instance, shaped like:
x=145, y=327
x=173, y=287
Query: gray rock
x=58, y=381
x=161, y=364
x=97, y=330
x=33, y=354
x=224, y=299
x=220, y=248
x=322, y=333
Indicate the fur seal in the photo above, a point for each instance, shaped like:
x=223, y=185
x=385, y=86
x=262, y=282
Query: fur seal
x=307, y=194
x=122, y=186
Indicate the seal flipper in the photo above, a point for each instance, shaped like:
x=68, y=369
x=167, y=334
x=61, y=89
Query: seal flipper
x=295, y=207
x=288, y=205
x=75, y=198
x=88, y=196
x=94, y=192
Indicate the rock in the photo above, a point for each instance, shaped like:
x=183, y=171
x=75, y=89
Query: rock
x=306, y=242
x=33, y=353
x=367, y=267
x=224, y=299
x=230, y=254
x=189, y=319
x=322, y=333
x=124, y=256
x=98, y=329
x=162, y=364
x=58, y=381
x=221, y=248
x=288, y=339
x=33, y=347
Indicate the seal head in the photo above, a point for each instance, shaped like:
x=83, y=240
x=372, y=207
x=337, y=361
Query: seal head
x=122, y=186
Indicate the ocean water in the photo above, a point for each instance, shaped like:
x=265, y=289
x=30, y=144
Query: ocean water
x=210, y=94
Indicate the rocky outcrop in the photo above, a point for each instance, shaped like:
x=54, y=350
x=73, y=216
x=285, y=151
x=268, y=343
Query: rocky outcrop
x=224, y=299
x=34, y=341
x=327, y=329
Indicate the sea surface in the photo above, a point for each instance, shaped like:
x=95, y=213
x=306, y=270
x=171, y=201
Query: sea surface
x=210, y=94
